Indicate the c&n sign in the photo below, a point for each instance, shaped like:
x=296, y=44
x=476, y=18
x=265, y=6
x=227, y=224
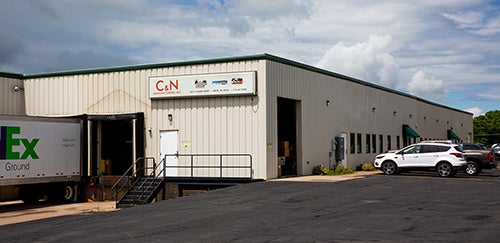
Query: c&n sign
x=221, y=84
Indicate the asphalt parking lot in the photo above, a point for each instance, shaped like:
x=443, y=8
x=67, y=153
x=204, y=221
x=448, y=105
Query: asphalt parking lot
x=408, y=207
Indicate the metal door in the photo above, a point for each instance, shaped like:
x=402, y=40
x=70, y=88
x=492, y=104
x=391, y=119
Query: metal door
x=169, y=146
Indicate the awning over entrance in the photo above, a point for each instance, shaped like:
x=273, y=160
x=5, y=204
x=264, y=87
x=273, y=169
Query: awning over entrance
x=408, y=132
x=452, y=135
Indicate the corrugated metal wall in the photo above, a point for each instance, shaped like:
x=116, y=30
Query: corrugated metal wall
x=11, y=102
x=434, y=122
x=216, y=125
x=100, y=93
x=354, y=108
x=247, y=124
x=210, y=125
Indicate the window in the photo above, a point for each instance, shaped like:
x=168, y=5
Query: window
x=367, y=149
x=374, y=143
x=352, y=143
x=398, y=143
x=381, y=143
x=389, y=142
x=412, y=150
x=358, y=142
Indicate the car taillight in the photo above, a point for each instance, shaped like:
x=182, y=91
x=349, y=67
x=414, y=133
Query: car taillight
x=490, y=156
x=458, y=155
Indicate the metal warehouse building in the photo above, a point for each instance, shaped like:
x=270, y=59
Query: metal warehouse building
x=257, y=116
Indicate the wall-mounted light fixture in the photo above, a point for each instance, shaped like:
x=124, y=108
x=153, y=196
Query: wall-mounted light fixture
x=18, y=88
x=447, y=122
x=170, y=117
x=425, y=118
x=411, y=115
x=328, y=103
x=394, y=113
x=437, y=120
x=374, y=109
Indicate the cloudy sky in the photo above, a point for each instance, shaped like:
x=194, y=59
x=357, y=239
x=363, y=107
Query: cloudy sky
x=446, y=51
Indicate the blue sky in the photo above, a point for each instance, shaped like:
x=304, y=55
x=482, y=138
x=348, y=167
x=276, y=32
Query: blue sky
x=445, y=51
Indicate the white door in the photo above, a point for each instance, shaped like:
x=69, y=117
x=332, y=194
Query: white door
x=344, y=161
x=169, y=146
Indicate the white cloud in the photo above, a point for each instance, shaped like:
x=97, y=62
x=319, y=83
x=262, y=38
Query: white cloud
x=477, y=22
x=453, y=41
x=369, y=61
x=427, y=88
x=476, y=111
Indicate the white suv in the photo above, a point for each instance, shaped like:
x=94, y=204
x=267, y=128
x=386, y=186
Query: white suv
x=444, y=158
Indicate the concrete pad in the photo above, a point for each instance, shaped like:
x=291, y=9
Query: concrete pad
x=16, y=211
x=327, y=178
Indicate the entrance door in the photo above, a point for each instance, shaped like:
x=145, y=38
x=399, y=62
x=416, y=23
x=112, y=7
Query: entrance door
x=344, y=161
x=287, y=136
x=168, y=146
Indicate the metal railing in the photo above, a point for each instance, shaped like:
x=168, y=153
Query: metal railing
x=195, y=169
x=129, y=178
x=158, y=170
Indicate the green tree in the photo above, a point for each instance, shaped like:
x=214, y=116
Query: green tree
x=487, y=128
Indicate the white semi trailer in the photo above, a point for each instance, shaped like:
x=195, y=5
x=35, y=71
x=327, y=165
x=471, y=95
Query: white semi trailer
x=40, y=157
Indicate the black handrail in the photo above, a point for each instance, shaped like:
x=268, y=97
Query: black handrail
x=220, y=166
x=162, y=173
x=140, y=169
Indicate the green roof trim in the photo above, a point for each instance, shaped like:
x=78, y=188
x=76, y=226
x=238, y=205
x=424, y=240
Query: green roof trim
x=408, y=132
x=11, y=75
x=264, y=56
x=452, y=135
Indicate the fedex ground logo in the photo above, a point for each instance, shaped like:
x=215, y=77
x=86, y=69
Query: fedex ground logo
x=15, y=147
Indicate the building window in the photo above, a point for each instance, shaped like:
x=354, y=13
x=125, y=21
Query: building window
x=389, y=142
x=358, y=142
x=381, y=143
x=352, y=143
x=398, y=144
x=367, y=148
x=374, y=143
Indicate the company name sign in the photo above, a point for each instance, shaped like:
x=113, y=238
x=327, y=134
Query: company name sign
x=221, y=84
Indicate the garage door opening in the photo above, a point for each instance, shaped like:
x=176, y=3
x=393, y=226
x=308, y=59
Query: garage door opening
x=115, y=142
x=287, y=137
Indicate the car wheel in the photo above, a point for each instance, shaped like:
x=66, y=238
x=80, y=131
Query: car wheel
x=471, y=168
x=444, y=169
x=389, y=167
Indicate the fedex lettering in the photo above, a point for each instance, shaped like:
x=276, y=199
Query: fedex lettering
x=161, y=86
x=8, y=143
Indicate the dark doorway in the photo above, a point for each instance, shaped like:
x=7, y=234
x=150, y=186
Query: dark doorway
x=287, y=137
x=112, y=142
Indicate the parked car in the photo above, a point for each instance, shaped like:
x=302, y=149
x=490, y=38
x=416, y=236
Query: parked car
x=444, y=158
x=495, y=149
x=478, y=157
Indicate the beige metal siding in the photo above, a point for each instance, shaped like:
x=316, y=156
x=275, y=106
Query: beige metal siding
x=11, y=102
x=216, y=125
x=101, y=93
x=354, y=108
x=434, y=122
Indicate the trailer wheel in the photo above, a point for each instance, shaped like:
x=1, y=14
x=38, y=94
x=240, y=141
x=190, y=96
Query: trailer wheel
x=68, y=193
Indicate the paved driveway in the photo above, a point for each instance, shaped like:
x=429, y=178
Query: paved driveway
x=409, y=208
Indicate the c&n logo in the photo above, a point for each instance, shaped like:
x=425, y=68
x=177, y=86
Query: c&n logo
x=9, y=145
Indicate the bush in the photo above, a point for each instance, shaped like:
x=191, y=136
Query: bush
x=320, y=170
x=336, y=170
x=367, y=167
